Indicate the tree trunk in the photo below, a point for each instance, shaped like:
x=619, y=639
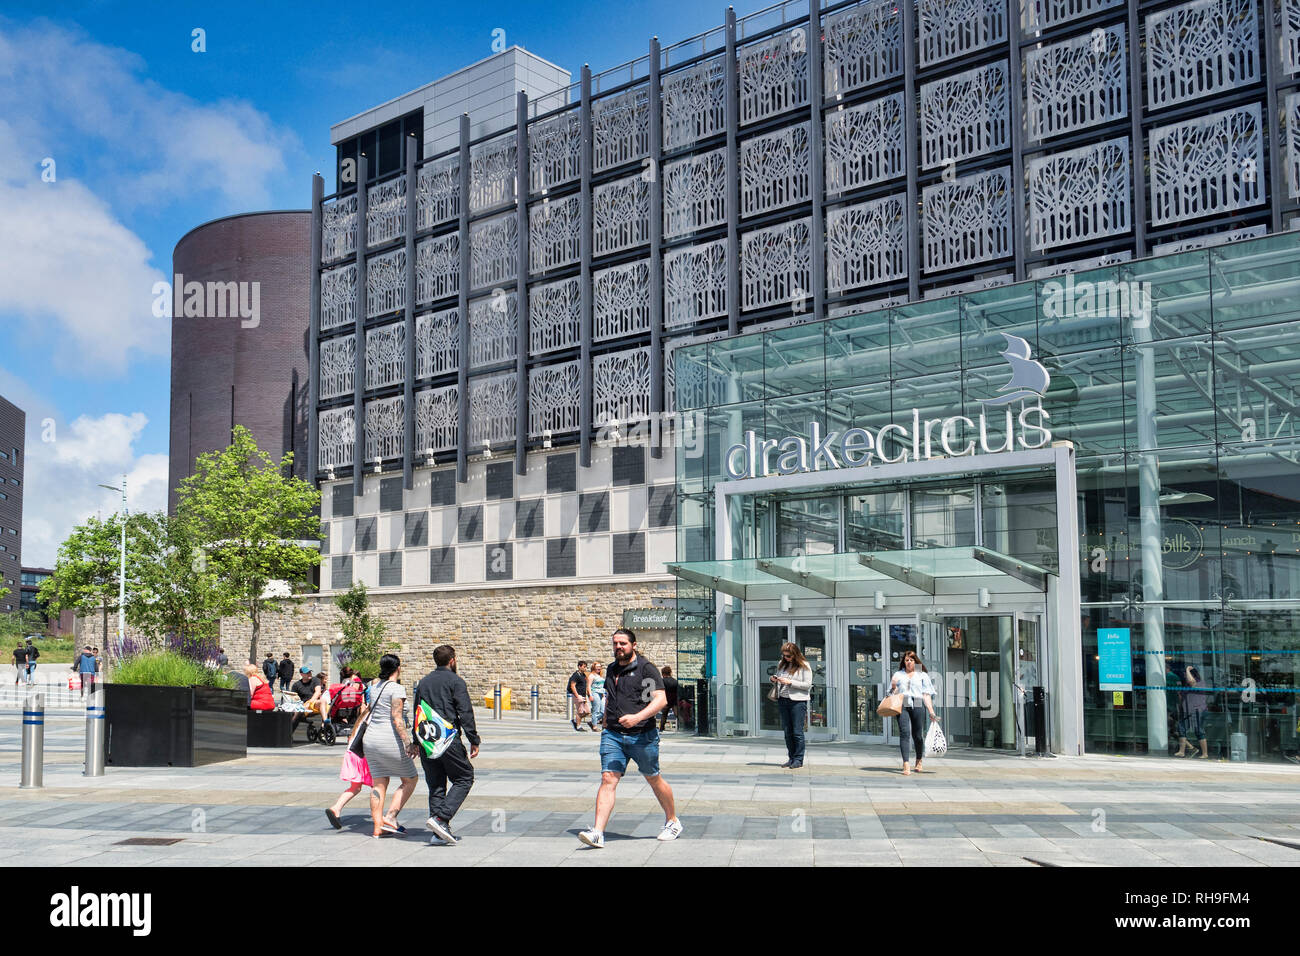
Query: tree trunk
x=252, y=644
x=107, y=643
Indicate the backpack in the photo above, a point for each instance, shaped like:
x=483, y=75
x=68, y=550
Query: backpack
x=268, y=668
x=432, y=731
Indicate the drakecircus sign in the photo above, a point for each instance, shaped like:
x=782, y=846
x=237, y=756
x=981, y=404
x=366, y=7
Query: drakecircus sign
x=952, y=437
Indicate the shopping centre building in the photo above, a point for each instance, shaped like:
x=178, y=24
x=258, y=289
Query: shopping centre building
x=885, y=327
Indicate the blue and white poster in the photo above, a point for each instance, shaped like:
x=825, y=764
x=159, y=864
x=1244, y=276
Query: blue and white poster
x=1115, y=659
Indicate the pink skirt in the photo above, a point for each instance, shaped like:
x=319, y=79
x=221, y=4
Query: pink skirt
x=355, y=770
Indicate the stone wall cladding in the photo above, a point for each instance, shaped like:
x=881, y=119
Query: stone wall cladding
x=519, y=636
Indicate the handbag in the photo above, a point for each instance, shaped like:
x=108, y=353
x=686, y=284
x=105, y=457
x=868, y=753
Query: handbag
x=936, y=744
x=773, y=694
x=357, y=744
x=891, y=706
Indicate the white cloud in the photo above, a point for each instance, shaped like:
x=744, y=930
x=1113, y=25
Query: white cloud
x=62, y=477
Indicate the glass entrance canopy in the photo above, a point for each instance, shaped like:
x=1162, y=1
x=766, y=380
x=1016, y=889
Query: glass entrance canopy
x=858, y=574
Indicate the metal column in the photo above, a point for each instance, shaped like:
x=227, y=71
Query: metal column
x=1021, y=234
x=313, y=335
x=1277, y=192
x=910, y=155
x=359, y=330
x=733, y=178
x=521, y=283
x=816, y=165
x=655, y=106
x=462, y=309
x=32, y=775
x=408, y=391
x=584, y=279
x=94, y=765
x=1149, y=526
x=1136, y=97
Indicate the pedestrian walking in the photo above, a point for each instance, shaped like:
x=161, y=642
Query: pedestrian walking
x=792, y=686
x=30, y=653
x=285, y=671
x=356, y=769
x=85, y=665
x=1192, y=725
x=596, y=685
x=670, y=689
x=444, y=690
x=581, y=697
x=20, y=663
x=634, y=695
x=222, y=659
x=913, y=682
x=389, y=747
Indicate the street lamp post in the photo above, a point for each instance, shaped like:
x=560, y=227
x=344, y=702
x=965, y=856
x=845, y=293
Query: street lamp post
x=121, y=576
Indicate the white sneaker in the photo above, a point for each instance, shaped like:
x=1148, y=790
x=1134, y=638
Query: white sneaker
x=671, y=831
x=441, y=830
x=593, y=838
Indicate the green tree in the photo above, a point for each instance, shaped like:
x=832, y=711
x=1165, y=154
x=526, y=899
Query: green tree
x=174, y=591
x=16, y=625
x=86, y=571
x=363, y=635
x=256, y=525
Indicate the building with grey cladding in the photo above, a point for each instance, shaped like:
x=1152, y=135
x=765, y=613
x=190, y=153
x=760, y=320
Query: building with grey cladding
x=13, y=461
x=498, y=307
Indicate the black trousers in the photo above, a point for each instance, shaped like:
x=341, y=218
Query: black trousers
x=452, y=766
x=911, y=723
x=793, y=714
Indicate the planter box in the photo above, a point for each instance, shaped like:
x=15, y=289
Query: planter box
x=173, y=726
x=270, y=728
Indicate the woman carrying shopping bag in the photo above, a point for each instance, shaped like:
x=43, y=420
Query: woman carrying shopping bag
x=914, y=685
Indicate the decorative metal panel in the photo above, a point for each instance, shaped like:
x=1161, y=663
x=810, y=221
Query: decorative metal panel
x=773, y=75
x=695, y=283
x=620, y=213
x=339, y=229
x=1290, y=39
x=437, y=199
x=774, y=170
x=866, y=244
x=554, y=398
x=1080, y=194
x=968, y=220
x=437, y=343
x=335, y=437
x=385, y=283
x=864, y=144
x=386, y=211
x=861, y=46
x=437, y=267
x=621, y=300
x=1077, y=83
x=687, y=382
x=554, y=147
x=493, y=251
x=949, y=28
x=436, y=413
x=492, y=174
x=776, y=264
x=694, y=103
x=1199, y=48
x=1293, y=145
x=338, y=297
x=338, y=366
x=386, y=355
x=965, y=115
x=385, y=427
x=554, y=315
x=492, y=409
x=1206, y=165
x=695, y=193
x=620, y=128
x=620, y=386
x=554, y=233
x=1037, y=15
x=493, y=329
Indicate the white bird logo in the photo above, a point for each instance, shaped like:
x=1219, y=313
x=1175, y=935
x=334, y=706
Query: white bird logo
x=1029, y=379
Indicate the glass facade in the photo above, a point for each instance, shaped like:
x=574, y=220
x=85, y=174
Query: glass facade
x=1175, y=380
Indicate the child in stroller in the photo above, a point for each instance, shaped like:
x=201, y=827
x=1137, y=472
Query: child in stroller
x=340, y=707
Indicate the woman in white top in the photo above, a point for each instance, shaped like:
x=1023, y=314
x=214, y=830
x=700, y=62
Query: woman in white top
x=793, y=680
x=914, y=684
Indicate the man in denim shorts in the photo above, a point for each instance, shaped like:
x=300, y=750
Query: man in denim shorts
x=634, y=694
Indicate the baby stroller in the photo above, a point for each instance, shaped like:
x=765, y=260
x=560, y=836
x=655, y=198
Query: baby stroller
x=345, y=704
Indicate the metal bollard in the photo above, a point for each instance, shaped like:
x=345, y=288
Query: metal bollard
x=496, y=701
x=33, y=770
x=569, y=711
x=535, y=702
x=95, y=735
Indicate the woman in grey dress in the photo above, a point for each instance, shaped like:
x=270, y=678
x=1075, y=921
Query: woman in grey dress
x=389, y=746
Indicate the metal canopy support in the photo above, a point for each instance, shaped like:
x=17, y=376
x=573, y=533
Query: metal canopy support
x=462, y=307
x=408, y=390
x=905, y=573
x=805, y=579
x=359, y=328
x=707, y=580
x=1025, y=574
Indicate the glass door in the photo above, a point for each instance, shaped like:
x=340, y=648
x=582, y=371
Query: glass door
x=867, y=657
x=1029, y=674
x=812, y=639
x=771, y=635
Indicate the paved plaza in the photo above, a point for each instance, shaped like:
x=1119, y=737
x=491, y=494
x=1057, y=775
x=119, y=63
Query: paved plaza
x=536, y=786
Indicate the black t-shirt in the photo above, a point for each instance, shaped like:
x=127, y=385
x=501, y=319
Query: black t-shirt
x=578, y=683
x=670, y=687
x=20, y=657
x=628, y=690
x=32, y=653
x=306, y=690
x=285, y=668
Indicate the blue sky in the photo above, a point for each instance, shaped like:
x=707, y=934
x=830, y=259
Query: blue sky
x=150, y=139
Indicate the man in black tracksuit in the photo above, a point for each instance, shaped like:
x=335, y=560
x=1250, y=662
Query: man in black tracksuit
x=446, y=693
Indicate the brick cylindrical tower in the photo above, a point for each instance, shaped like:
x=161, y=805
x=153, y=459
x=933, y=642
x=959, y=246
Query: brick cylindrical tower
x=240, y=329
